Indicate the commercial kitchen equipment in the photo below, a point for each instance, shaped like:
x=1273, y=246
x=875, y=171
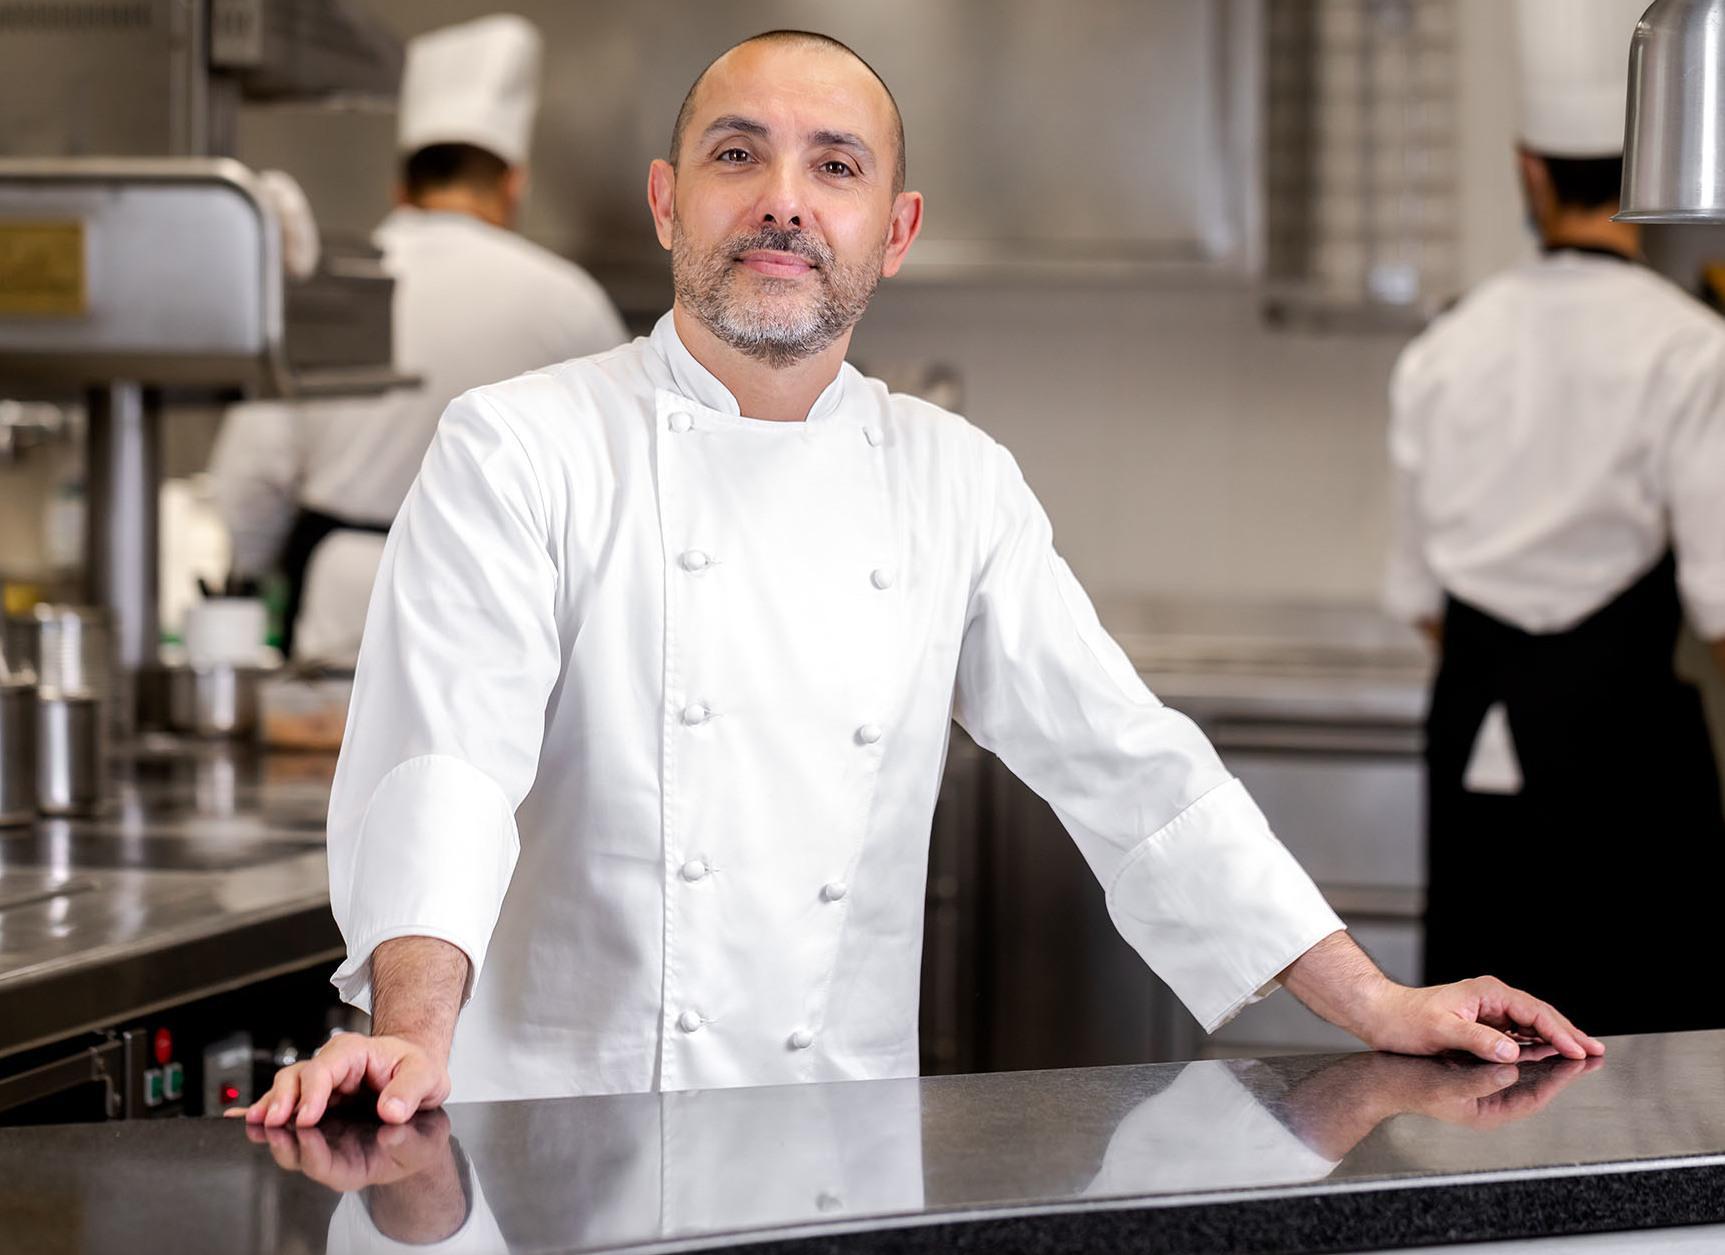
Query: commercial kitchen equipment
x=140, y=265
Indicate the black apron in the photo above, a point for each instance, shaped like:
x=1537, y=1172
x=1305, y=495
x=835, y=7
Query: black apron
x=310, y=529
x=1596, y=887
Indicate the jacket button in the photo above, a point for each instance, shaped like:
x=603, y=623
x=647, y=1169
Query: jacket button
x=881, y=577
x=873, y=435
x=695, y=560
x=681, y=422
x=802, y=1039
x=690, y=1021
x=695, y=714
x=869, y=733
x=834, y=891
x=695, y=869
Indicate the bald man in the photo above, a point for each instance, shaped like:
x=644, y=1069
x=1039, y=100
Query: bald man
x=655, y=691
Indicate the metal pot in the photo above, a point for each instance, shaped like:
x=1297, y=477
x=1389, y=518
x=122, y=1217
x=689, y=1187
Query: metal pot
x=214, y=701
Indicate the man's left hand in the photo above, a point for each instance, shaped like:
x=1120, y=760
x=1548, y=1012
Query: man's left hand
x=1483, y=1016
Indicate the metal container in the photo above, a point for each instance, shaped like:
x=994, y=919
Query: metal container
x=74, y=671
x=1674, y=148
x=73, y=651
x=17, y=748
x=71, y=755
x=214, y=701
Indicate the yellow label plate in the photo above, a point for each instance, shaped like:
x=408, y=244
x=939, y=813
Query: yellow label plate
x=42, y=268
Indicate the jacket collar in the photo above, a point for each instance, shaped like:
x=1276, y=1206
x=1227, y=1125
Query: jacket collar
x=698, y=384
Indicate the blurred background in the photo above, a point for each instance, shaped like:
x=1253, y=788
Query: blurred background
x=1172, y=252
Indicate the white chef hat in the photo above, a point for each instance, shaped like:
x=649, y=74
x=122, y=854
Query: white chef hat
x=476, y=83
x=1575, y=74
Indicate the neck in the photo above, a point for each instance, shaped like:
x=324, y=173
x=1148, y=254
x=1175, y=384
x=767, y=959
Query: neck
x=782, y=394
x=457, y=199
x=1591, y=229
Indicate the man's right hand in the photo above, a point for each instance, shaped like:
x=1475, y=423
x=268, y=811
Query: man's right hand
x=417, y=985
x=406, y=1077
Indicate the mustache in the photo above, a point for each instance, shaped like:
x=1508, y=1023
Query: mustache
x=779, y=240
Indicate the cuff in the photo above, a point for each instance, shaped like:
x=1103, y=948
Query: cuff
x=1217, y=906
x=1704, y=600
x=432, y=857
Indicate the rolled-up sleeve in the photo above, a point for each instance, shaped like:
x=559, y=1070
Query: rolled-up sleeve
x=1195, y=880
x=459, y=657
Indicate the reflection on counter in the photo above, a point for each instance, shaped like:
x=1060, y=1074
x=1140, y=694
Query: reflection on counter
x=1180, y=1150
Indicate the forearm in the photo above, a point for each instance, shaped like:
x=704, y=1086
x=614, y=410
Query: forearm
x=417, y=986
x=1339, y=982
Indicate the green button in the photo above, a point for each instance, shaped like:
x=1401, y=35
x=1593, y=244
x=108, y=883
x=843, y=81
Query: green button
x=153, y=1087
x=173, y=1082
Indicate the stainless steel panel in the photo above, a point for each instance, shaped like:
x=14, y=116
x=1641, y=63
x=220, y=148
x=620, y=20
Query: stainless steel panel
x=296, y=48
x=100, y=77
x=183, y=261
x=1350, y=819
x=1099, y=133
x=165, y=897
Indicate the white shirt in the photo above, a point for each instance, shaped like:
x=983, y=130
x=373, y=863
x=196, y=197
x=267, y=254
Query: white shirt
x=1551, y=437
x=473, y=304
x=651, y=715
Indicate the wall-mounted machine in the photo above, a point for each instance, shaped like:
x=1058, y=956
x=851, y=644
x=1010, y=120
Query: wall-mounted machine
x=140, y=266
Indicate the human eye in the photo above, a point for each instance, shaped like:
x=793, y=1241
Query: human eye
x=734, y=156
x=837, y=168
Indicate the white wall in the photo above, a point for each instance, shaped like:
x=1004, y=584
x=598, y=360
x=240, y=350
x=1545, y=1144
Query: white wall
x=1179, y=448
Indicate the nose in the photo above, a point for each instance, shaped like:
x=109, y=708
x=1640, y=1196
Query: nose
x=781, y=200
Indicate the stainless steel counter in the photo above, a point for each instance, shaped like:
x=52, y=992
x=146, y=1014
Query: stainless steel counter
x=1352, y=1152
x=206, y=872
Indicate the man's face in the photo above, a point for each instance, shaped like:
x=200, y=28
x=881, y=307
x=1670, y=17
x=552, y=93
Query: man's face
x=782, y=214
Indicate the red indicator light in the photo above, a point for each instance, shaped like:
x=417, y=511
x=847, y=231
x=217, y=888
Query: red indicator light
x=164, y=1046
x=230, y=1093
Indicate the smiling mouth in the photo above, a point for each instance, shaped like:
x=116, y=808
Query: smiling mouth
x=776, y=265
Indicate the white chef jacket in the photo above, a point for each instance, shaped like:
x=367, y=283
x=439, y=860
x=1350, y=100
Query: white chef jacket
x=1551, y=437
x=474, y=304
x=651, y=714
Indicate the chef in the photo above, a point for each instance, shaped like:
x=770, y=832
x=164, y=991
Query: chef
x=1559, y=450
x=655, y=693
x=314, y=487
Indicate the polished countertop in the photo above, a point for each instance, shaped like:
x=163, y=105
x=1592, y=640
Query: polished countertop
x=206, y=867
x=1345, y=1152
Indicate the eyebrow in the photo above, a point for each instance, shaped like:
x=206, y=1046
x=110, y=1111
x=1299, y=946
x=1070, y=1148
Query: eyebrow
x=735, y=122
x=822, y=139
x=841, y=139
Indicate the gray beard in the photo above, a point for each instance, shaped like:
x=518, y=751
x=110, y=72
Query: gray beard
x=756, y=324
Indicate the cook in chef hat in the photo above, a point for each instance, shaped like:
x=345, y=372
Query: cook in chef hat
x=468, y=96
x=1574, y=96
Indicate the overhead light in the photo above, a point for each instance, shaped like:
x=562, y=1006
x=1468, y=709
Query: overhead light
x=1674, y=147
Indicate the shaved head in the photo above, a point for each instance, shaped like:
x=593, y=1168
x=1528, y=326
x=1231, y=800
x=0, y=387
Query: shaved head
x=795, y=38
